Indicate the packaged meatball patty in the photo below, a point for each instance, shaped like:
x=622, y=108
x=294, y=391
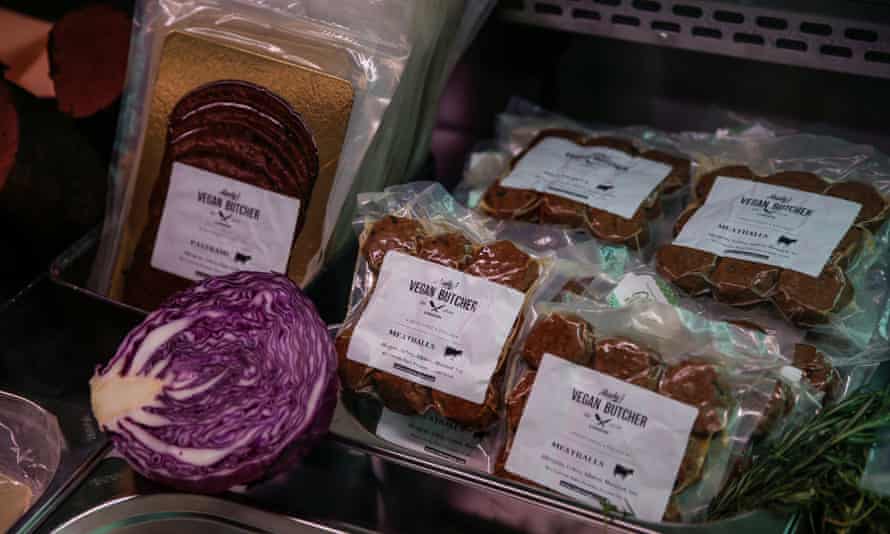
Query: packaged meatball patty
x=523, y=121
x=615, y=184
x=602, y=184
x=438, y=298
x=795, y=221
x=806, y=377
x=781, y=239
x=830, y=366
x=628, y=409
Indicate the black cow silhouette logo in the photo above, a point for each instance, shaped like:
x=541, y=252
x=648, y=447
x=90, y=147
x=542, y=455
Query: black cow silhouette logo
x=451, y=352
x=242, y=258
x=622, y=471
x=605, y=187
x=787, y=241
x=436, y=307
x=601, y=421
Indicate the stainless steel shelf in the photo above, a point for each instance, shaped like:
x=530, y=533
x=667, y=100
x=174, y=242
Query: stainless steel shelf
x=353, y=468
x=842, y=35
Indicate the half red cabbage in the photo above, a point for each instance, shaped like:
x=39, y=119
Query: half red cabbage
x=229, y=381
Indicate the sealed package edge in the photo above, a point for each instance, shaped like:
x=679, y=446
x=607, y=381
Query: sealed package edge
x=438, y=296
x=243, y=127
x=630, y=410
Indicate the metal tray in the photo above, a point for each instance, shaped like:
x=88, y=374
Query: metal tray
x=47, y=356
x=184, y=514
x=447, y=489
x=838, y=35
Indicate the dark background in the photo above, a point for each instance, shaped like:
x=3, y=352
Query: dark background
x=588, y=78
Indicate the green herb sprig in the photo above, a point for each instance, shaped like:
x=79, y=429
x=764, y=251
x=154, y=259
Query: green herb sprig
x=816, y=468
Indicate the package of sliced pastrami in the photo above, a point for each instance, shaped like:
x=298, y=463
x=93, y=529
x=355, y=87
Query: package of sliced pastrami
x=438, y=297
x=243, y=127
x=794, y=222
x=642, y=410
x=621, y=185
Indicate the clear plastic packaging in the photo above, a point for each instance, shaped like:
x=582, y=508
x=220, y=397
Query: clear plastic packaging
x=440, y=33
x=430, y=329
x=524, y=126
x=876, y=476
x=672, y=353
x=847, y=299
x=831, y=366
x=342, y=63
x=30, y=448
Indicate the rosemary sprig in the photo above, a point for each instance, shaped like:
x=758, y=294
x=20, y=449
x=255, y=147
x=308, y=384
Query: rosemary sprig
x=817, y=468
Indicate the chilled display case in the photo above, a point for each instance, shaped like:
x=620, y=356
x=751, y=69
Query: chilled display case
x=818, y=67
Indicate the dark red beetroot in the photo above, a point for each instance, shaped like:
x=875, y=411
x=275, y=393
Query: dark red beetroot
x=88, y=58
x=9, y=133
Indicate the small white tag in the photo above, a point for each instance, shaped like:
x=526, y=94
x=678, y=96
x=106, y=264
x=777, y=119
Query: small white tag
x=435, y=326
x=764, y=223
x=434, y=435
x=599, y=177
x=638, y=288
x=596, y=438
x=213, y=225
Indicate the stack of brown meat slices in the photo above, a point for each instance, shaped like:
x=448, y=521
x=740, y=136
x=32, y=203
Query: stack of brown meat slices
x=233, y=129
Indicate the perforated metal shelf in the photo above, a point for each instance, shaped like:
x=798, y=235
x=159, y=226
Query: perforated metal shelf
x=839, y=35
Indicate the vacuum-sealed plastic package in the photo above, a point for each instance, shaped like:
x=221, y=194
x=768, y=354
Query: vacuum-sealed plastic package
x=831, y=366
x=440, y=33
x=797, y=221
x=438, y=297
x=630, y=409
x=617, y=184
x=244, y=125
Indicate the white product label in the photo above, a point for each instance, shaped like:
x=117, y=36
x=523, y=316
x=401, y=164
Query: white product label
x=213, y=225
x=637, y=288
x=596, y=438
x=434, y=435
x=435, y=326
x=764, y=223
x=599, y=177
